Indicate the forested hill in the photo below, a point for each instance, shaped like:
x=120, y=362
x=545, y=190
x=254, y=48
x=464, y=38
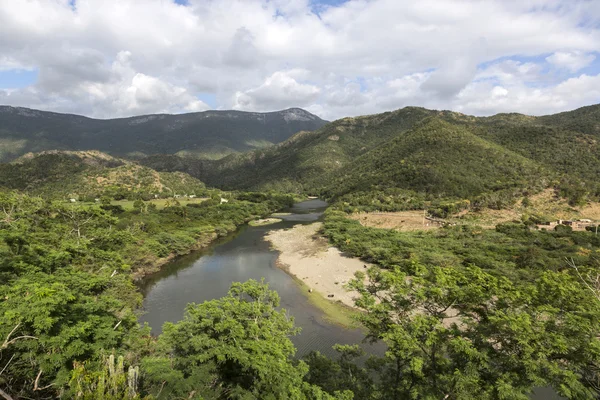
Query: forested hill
x=87, y=175
x=441, y=153
x=208, y=134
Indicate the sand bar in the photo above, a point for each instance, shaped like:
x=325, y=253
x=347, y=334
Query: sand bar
x=308, y=256
x=266, y=221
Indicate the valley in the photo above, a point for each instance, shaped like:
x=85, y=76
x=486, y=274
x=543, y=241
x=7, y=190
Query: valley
x=448, y=214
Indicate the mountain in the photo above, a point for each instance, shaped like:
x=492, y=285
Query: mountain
x=442, y=153
x=439, y=158
x=208, y=134
x=302, y=158
x=90, y=174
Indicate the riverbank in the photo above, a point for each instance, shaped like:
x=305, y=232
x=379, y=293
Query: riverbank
x=265, y=221
x=151, y=267
x=325, y=270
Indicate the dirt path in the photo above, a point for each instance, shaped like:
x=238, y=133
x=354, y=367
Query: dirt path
x=309, y=257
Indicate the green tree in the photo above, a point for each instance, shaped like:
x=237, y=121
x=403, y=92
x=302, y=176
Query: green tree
x=140, y=205
x=464, y=334
x=238, y=347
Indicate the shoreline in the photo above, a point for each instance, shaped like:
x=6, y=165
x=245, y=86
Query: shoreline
x=146, y=270
x=320, y=269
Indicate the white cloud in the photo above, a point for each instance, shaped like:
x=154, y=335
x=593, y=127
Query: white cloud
x=280, y=90
x=121, y=57
x=120, y=91
x=573, y=61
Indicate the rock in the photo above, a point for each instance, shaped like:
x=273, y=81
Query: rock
x=337, y=283
x=330, y=295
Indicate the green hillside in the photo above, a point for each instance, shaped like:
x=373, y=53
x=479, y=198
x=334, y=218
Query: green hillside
x=438, y=158
x=208, y=134
x=435, y=153
x=91, y=174
x=296, y=162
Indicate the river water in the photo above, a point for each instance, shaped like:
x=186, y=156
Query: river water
x=207, y=274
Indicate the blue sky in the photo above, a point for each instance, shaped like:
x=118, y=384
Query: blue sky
x=332, y=57
x=17, y=78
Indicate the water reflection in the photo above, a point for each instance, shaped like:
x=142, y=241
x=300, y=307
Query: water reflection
x=207, y=275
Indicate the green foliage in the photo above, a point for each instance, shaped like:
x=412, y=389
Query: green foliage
x=66, y=291
x=237, y=347
x=464, y=334
x=110, y=381
x=490, y=161
x=86, y=176
x=440, y=159
x=522, y=320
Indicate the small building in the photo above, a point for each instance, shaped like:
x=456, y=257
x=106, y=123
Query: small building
x=577, y=225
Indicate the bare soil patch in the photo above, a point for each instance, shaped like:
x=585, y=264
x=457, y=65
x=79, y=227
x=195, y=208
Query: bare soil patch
x=402, y=221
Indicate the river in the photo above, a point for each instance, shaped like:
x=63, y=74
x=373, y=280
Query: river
x=207, y=274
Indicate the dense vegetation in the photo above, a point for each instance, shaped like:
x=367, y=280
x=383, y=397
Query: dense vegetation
x=487, y=160
x=209, y=134
x=66, y=295
x=438, y=158
x=465, y=312
x=470, y=313
x=89, y=175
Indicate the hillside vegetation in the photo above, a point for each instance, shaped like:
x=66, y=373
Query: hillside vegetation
x=437, y=158
x=208, y=134
x=430, y=154
x=91, y=174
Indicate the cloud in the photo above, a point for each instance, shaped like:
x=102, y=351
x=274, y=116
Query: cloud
x=109, y=58
x=572, y=61
x=280, y=90
x=118, y=90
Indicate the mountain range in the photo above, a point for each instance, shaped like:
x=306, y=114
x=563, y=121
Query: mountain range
x=208, y=134
x=439, y=154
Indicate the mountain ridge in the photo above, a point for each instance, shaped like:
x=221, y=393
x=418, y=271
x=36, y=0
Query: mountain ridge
x=206, y=134
x=557, y=149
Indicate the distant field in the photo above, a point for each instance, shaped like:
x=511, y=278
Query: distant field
x=400, y=221
x=160, y=203
x=544, y=204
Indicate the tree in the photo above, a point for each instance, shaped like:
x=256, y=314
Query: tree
x=238, y=347
x=464, y=334
x=140, y=205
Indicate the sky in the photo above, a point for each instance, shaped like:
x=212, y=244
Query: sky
x=335, y=58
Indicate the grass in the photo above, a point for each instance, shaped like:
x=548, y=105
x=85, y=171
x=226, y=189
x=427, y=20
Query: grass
x=335, y=312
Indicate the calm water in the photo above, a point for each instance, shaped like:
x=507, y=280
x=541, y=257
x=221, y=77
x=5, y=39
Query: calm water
x=207, y=275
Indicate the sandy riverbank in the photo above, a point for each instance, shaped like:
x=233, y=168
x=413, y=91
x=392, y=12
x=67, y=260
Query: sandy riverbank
x=265, y=221
x=310, y=258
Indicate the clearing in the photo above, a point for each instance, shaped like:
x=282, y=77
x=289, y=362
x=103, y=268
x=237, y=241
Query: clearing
x=402, y=221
